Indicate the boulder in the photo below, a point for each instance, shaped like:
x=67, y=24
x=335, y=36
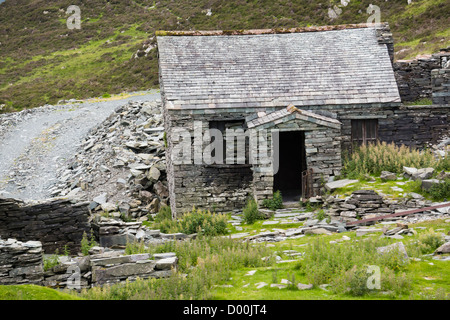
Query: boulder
x=445, y=248
x=422, y=174
x=398, y=246
x=427, y=184
x=409, y=171
x=388, y=176
x=331, y=186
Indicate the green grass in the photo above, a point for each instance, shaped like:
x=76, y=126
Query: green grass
x=437, y=273
x=33, y=292
x=211, y=263
x=385, y=187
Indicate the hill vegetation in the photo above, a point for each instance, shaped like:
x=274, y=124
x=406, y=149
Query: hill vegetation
x=43, y=61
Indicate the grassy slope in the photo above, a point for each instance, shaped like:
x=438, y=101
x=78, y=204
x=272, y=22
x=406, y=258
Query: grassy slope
x=32, y=292
x=43, y=61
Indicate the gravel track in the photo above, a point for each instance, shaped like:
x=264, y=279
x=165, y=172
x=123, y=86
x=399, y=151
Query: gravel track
x=34, y=144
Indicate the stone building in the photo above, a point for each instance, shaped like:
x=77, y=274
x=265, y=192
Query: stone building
x=291, y=100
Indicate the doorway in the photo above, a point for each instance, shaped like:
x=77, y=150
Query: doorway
x=292, y=162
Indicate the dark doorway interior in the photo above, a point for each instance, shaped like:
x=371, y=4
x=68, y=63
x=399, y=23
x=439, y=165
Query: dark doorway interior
x=292, y=159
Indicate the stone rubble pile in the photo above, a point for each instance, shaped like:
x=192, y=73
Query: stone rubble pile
x=362, y=203
x=106, y=266
x=23, y=263
x=120, y=167
x=114, y=233
x=20, y=262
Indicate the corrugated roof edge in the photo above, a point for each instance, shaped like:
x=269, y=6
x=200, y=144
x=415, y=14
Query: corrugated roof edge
x=162, y=33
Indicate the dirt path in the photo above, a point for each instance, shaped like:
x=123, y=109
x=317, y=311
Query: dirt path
x=35, y=144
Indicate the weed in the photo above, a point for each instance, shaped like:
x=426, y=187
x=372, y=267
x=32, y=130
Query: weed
x=51, y=261
x=203, y=263
x=275, y=203
x=440, y=191
x=372, y=159
x=87, y=244
x=251, y=212
x=195, y=221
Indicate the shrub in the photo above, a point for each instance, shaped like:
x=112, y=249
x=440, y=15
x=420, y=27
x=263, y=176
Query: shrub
x=429, y=241
x=196, y=221
x=86, y=244
x=202, y=263
x=135, y=247
x=373, y=158
x=251, y=212
x=275, y=203
x=355, y=282
x=165, y=213
x=440, y=191
x=51, y=261
x=329, y=263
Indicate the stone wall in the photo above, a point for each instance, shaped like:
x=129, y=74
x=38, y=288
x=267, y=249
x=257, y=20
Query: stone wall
x=20, y=262
x=226, y=187
x=219, y=187
x=415, y=126
x=56, y=223
x=414, y=76
x=441, y=86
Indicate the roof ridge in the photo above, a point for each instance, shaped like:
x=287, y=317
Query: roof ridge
x=161, y=33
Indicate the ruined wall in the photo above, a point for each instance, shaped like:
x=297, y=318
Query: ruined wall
x=20, y=262
x=55, y=223
x=414, y=78
x=441, y=86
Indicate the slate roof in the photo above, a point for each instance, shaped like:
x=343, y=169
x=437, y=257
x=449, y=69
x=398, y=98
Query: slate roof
x=332, y=67
x=294, y=113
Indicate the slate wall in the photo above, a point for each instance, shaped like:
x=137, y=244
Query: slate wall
x=55, y=223
x=441, y=86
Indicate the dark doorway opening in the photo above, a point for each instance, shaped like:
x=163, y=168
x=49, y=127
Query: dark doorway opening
x=292, y=162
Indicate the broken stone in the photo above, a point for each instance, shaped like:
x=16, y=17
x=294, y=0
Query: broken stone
x=398, y=246
x=445, y=248
x=388, y=176
x=331, y=186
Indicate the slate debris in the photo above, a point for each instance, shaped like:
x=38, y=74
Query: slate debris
x=120, y=166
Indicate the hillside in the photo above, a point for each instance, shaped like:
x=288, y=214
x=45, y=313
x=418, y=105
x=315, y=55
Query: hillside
x=42, y=61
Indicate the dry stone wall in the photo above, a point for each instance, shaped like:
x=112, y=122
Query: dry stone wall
x=23, y=263
x=441, y=86
x=414, y=78
x=56, y=223
x=220, y=187
x=20, y=262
